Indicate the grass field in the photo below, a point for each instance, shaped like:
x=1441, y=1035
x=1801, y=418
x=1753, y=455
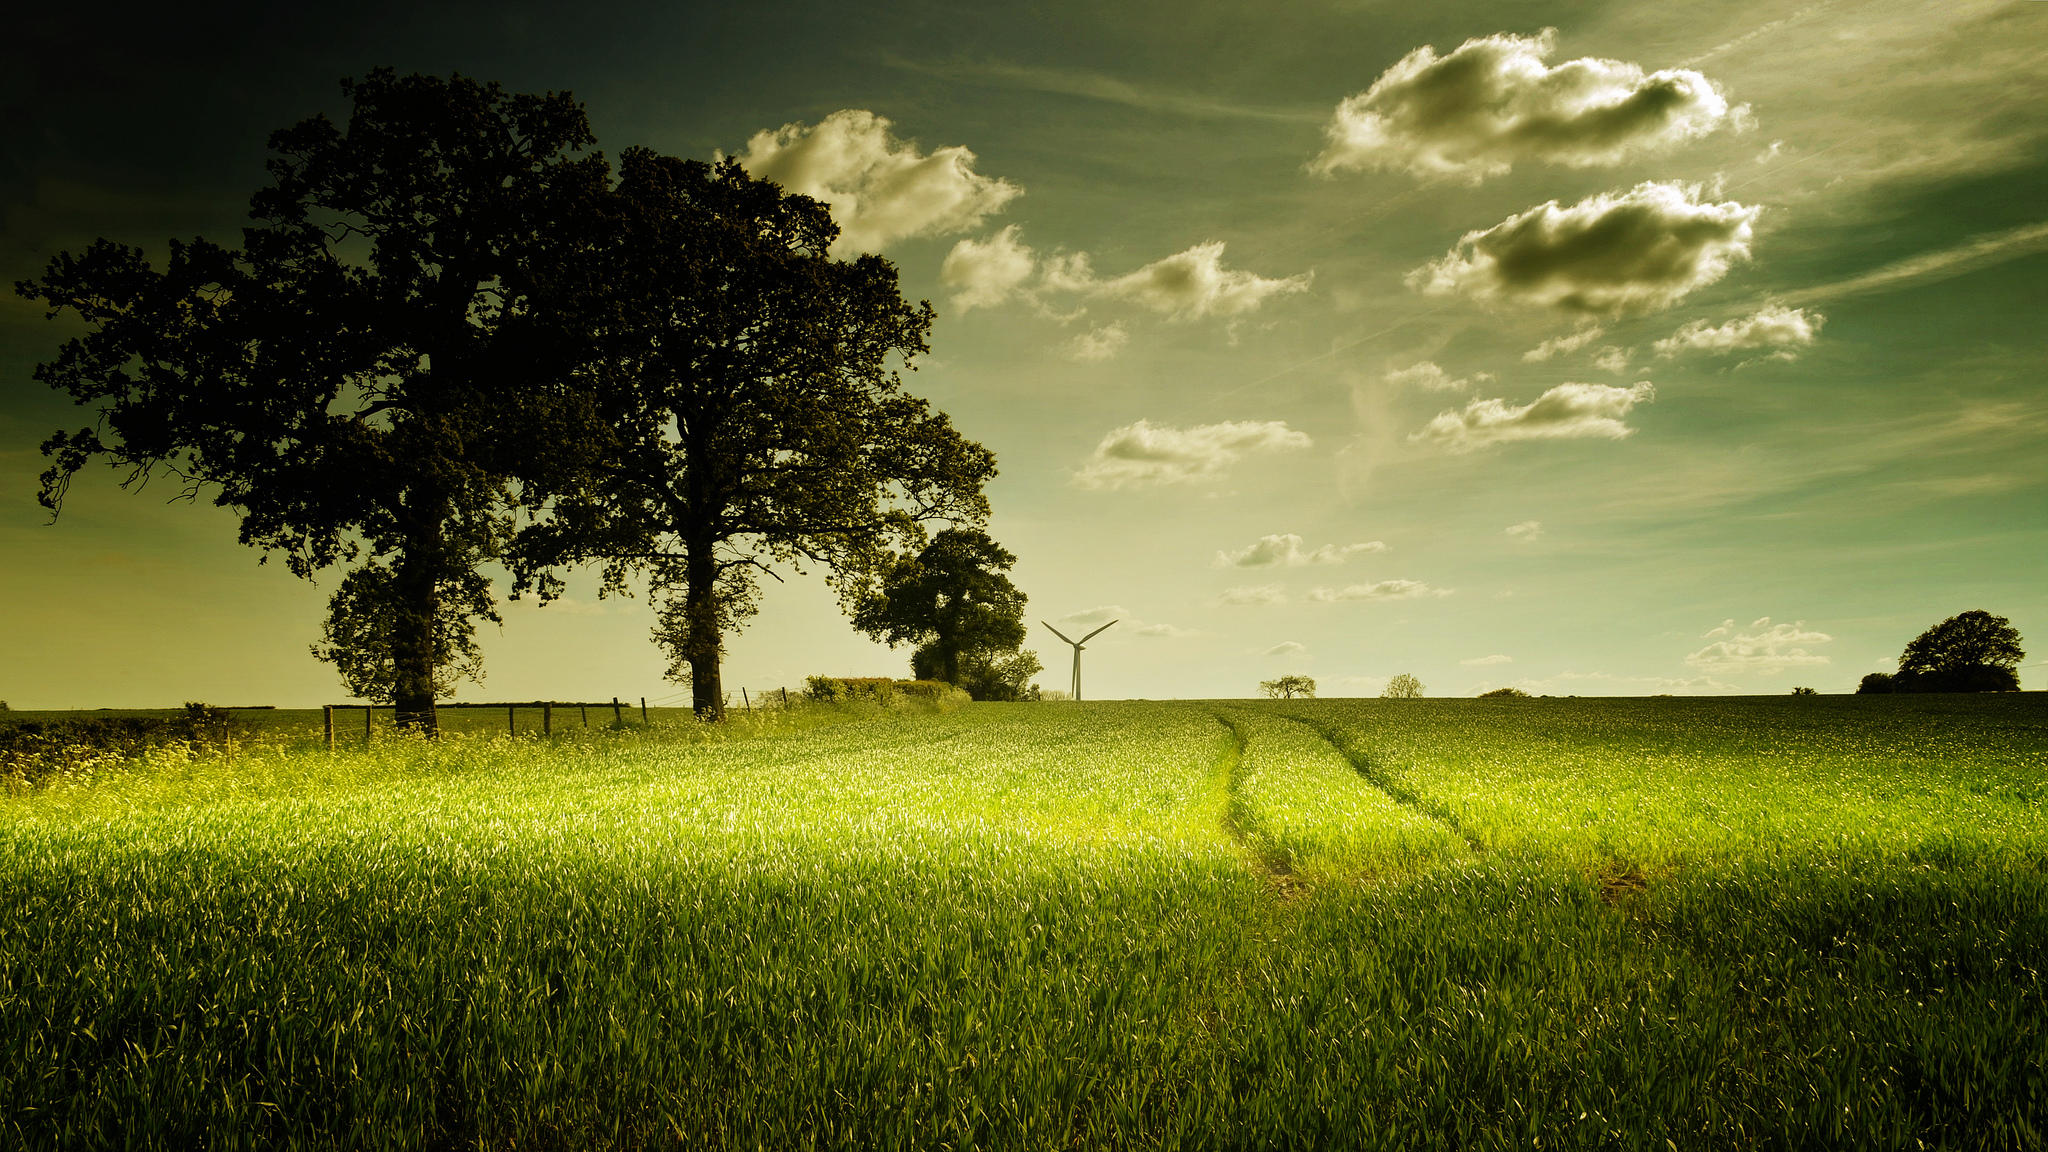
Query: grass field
x=1738, y=923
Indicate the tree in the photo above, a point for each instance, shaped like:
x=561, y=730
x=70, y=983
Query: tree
x=352, y=379
x=1507, y=693
x=1970, y=652
x=994, y=674
x=1402, y=687
x=1875, y=683
x=1288, y=687
x=754, y=415
x=951, y=599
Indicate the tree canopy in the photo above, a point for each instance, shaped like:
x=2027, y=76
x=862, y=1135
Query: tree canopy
x=951, y=599
x=751, y=413
x=1288, y=687
x=1402, y=687
x=1969, y=652
x=359, y=377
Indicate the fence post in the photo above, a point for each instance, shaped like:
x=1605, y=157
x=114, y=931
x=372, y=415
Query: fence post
x=746, y=703
x=643, y=711
x=618, y=717
x=512, y=719
x=547, y=718
x=585, y=710
x=327, y=724
x=785, y=697
x=369, y=710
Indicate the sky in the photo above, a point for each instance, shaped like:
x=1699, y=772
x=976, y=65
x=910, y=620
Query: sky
x=1589, y=348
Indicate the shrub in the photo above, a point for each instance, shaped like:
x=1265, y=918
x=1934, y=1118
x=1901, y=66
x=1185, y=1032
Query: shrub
x=34, y=750
x=1876, y=682
x=1804, y=692
x=1504, y=694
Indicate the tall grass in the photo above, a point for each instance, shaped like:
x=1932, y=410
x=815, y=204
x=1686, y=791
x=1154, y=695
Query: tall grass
x=1600, y=924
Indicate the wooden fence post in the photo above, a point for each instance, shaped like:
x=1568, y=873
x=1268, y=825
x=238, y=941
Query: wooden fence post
x=585, y=710
x=643, y=710
x=746, y=703
x=512, y=719
x=618, y=717
x=369, y=710
x=785, y=697
x=327, y=723
x=547, y=718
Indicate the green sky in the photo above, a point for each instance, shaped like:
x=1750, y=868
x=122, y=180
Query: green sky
x=1593, y=348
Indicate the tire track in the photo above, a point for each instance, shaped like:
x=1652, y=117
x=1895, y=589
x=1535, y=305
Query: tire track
x=1378, y=776
x=1238, y=822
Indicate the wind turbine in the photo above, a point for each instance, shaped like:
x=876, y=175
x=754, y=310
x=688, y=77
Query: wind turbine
x=1078, y=645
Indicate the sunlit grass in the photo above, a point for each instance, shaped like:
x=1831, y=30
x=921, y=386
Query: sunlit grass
x=1454, y=924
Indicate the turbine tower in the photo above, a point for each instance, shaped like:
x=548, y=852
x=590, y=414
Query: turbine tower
x=1078, y=645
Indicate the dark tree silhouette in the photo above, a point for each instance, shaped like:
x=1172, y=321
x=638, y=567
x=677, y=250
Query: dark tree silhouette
x=952, y=600
x=1288, y=687
x=353, y=379
x=747, y=382
x=1875, y=683
x=1970, y=652
x=992, y=674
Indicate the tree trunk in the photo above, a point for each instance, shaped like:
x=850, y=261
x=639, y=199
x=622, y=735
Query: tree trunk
x=700, y=608
x=416, y=614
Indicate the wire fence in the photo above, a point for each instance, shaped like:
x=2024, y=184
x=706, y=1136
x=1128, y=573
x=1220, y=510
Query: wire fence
x=542, y=715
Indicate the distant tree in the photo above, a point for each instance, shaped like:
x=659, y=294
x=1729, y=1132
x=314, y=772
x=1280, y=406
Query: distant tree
x=1509, y=693
x=1804, y=692
x=994, y=675
x=1876, y=682
x=1970, y=652
x=747, y=384
x=1288, y=687
x=1402, y=687
x=353, y=378
x=953, y=601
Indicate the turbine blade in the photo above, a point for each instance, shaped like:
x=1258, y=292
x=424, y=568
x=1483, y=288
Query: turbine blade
x=1057, y=632
x=1094, y=634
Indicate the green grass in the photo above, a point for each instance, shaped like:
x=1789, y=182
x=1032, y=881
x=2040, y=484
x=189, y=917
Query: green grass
x=1358, y=924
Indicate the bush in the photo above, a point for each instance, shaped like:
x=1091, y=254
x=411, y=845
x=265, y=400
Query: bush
x=882, y=690
x=1876, y=682
x=1804, y=692
x=1504, y=694
x=34, y=750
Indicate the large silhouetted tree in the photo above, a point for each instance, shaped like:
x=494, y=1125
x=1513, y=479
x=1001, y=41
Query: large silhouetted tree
x=748, y=384
x=1970, y=652
x=952, y=600
x=359, y=376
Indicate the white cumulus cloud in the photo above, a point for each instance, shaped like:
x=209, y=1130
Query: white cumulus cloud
x=1140, y=455
x=985, y=273
x=1428, y=376
x=880, y=189
x=1612, y=359
x=1188, y=285
x=1566, y=412
x=1763, y=647
x=1610, y=254
x=1381, y=590
x=1774, y=327
x=1100, y=343
x=1493, y=102
x=1195, y=283
x=1564, y=345
x=1285, y=551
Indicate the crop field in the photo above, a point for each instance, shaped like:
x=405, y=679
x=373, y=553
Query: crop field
x=1664, y=924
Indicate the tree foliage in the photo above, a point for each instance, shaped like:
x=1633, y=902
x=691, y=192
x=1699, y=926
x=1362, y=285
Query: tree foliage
x=745, y=384
x=1969, y=652
x=1288, y=687
x=952, y=600
x=1402, y=687
x=1508, y=693
x=355, y=377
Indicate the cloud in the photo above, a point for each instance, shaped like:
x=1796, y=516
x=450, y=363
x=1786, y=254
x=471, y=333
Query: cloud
x=1165, y=632
x=1285, y=551
x=1609, y=254
x=1566, y=412
x=1260, y=594
x=880, y=189
x=1981, y=252
x=1564, y=345
x=1427, y=376
x=1100, y=343
x=1613, y=359
x=1492, y=103
x=1101, y=614
x=1485, y=661
x=1527, y=530
x=1382, y=590
x=1139, y=455
x=1286, y=648
x=1195, y=283
x=1187, y=285
x=984, y=273
x=1775, y=327
x=1763, y=648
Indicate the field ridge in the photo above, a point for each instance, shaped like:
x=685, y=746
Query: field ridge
x=1381, y=778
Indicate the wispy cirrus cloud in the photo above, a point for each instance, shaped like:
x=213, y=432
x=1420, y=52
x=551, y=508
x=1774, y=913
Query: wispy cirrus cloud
x=880, y=189
x=1611, y=254
x=1285, y=551
x=1564, y=345
x=1257, y=595
x=1487, y=661
x=1493, y=102
x=1287, y=648
x=1140, y=455
x=1526, y=531
x=1567, y=412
